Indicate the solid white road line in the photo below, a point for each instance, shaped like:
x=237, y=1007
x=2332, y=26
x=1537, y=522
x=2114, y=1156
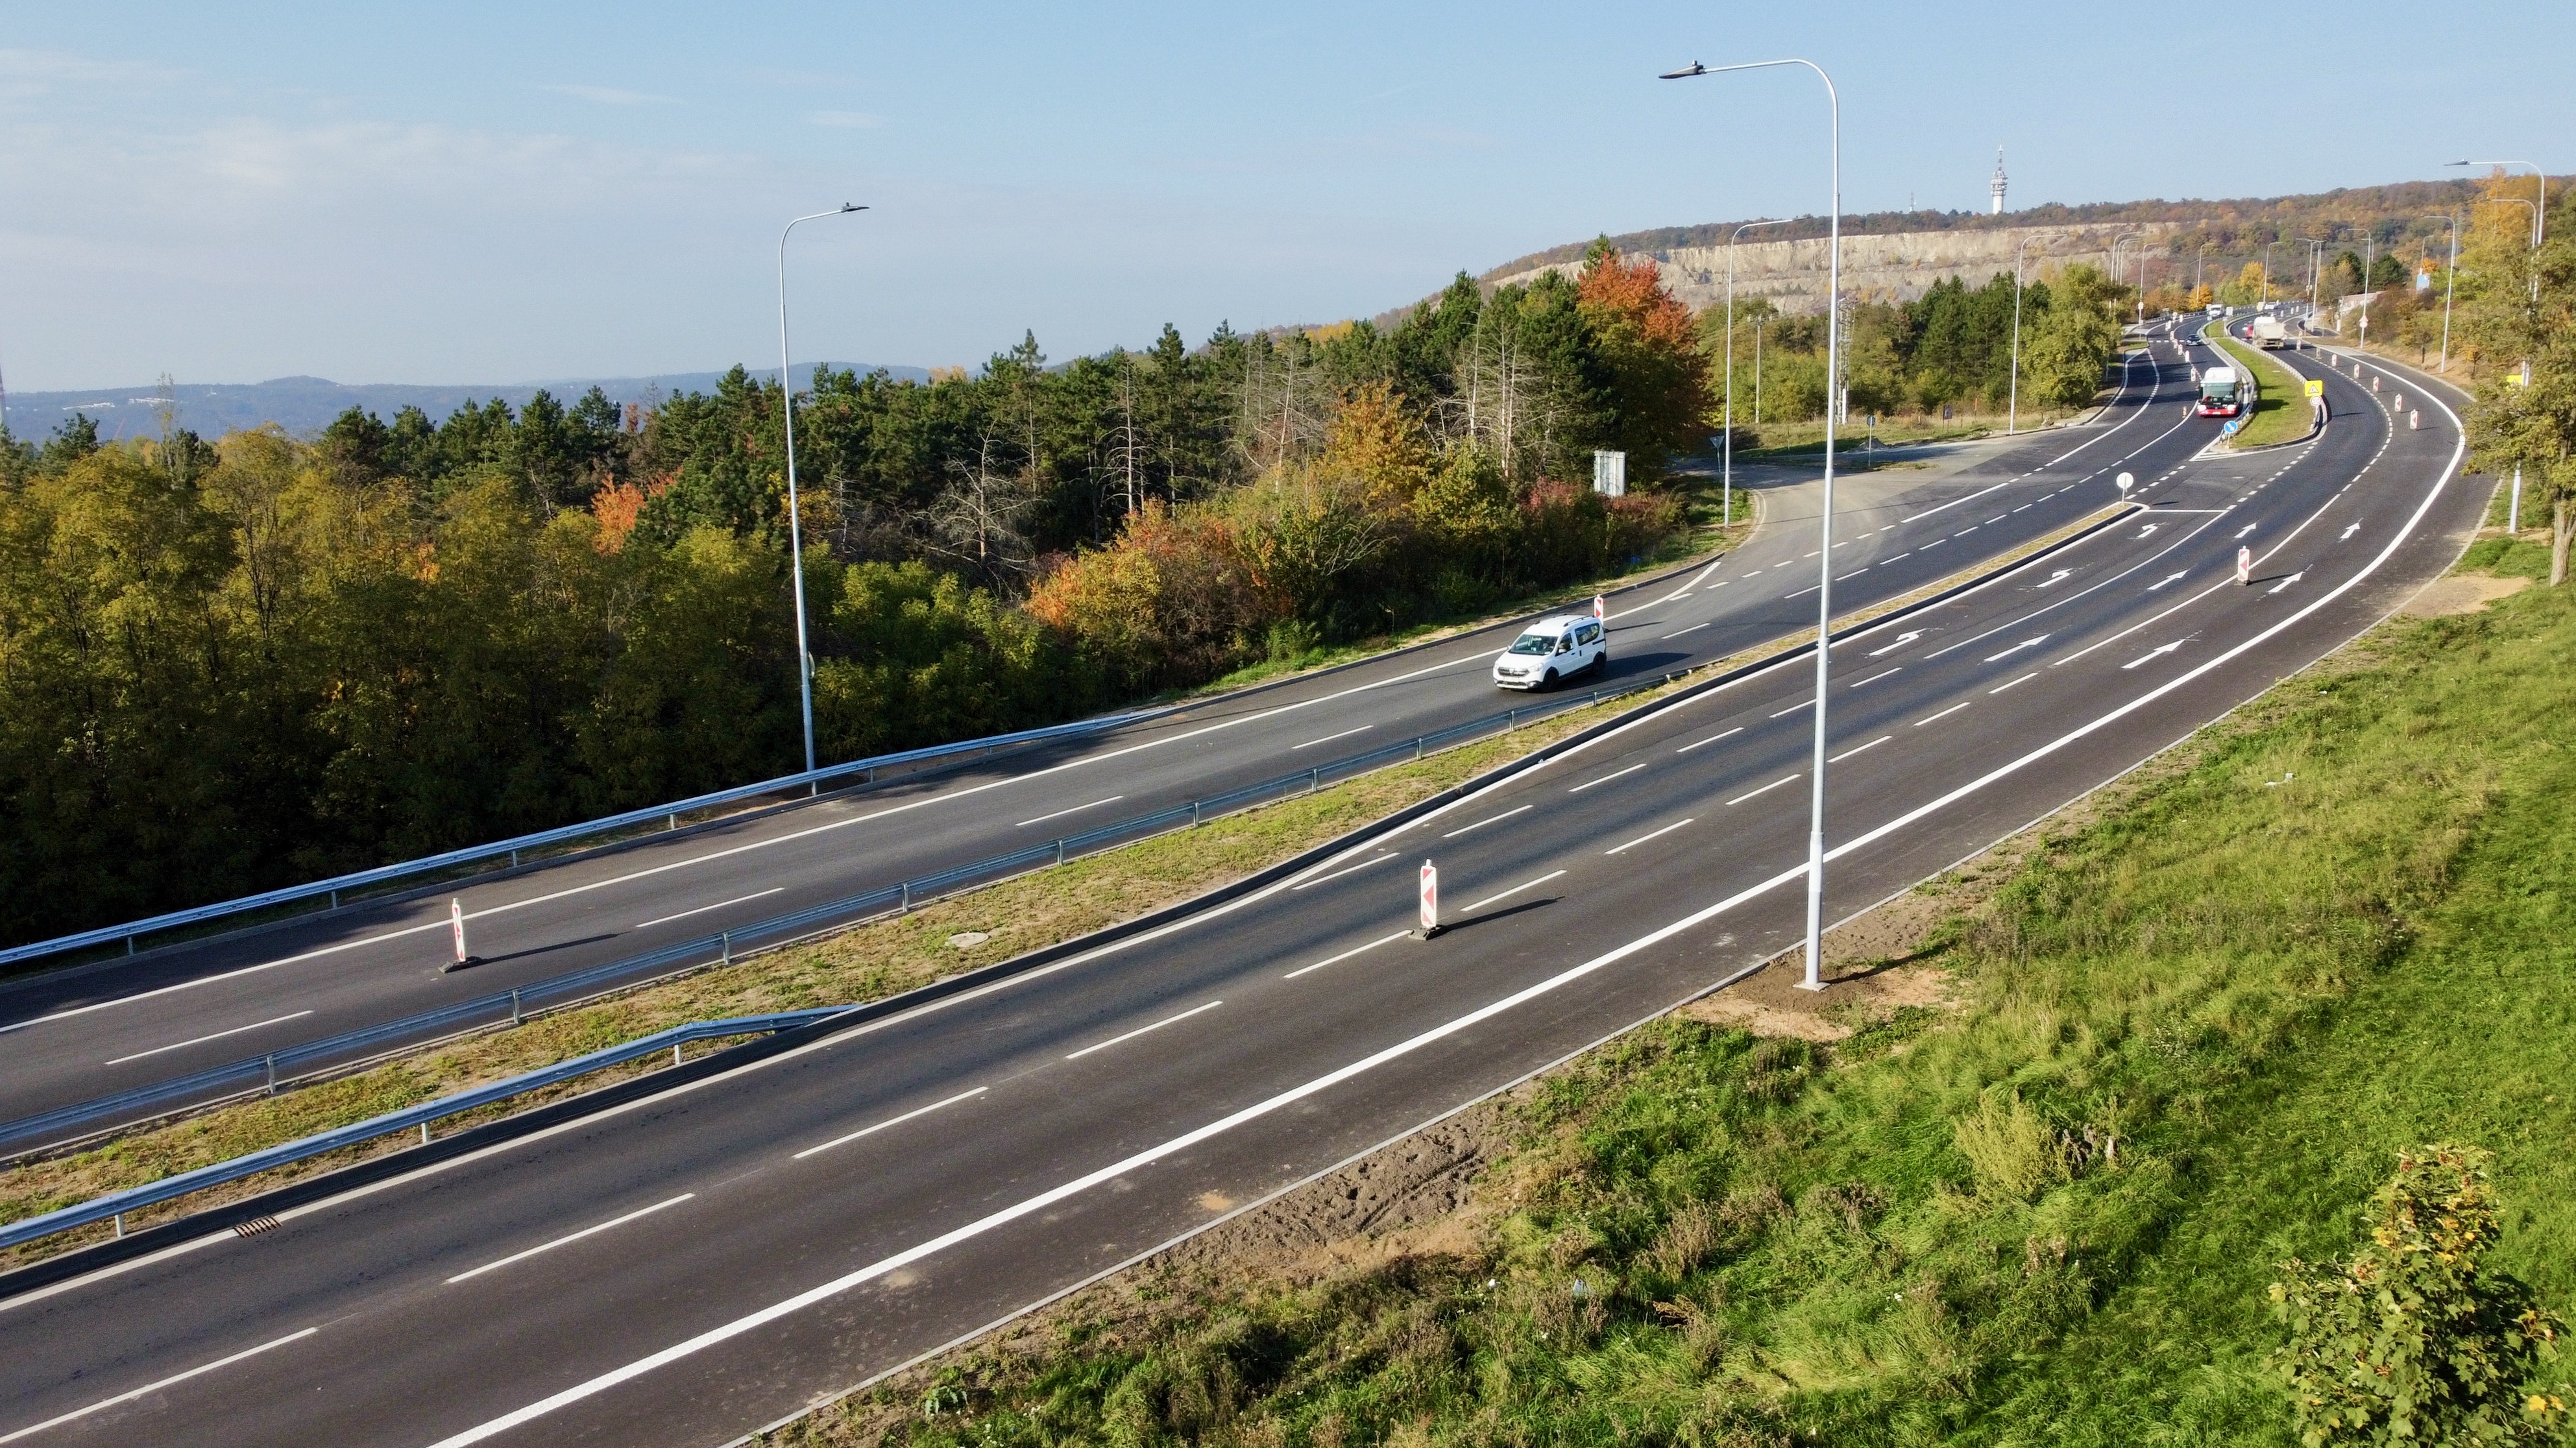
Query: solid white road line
x=1507, y=894
x=719, y=905
x=575, y=1237
x=1712, y=739
x=1329, y=738
x=1944, y=714
x=1114, y=1170
x=150, y=1388
x=1641, y=839
x=1345, y=955
x=1766, y=789
x=1060, y=814
x=1489, y=819
x=1864, y=749
x=1142, y=1030
x=201, y=1040
x=1605, y=779
x=1337, y=874
x=882, y=1125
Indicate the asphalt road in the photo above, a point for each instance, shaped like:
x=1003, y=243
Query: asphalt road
x=79, y=1035
x=697, y=1263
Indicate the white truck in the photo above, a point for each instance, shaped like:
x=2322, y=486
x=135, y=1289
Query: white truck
x=2270, y=335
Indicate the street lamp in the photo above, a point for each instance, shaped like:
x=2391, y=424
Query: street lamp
x=1726, y=484
x=795, y=518
x=2540, y=211
x=2120, y=241
x=1825, y=514
x=2267, y=270
x=2450, y=279
x=2316, y=276
x=2012, y=419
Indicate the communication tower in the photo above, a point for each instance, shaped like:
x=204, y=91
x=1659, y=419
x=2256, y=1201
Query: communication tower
x=1997, y=186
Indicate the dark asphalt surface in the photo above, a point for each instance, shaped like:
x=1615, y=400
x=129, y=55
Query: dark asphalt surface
x=761, y=1238
x=76, y=1036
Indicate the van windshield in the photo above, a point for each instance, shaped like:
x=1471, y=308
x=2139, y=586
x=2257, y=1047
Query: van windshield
x=1534, y=643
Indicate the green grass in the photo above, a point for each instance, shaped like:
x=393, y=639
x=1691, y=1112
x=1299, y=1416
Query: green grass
x=2282, y=414
x=2193, y=1034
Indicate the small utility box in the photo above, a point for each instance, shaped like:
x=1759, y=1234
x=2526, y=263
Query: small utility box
x=1610, y=474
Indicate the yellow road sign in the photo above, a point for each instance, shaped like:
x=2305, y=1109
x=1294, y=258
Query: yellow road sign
x=2316, y=387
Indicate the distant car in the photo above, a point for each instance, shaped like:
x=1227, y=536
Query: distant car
x=1551, y=651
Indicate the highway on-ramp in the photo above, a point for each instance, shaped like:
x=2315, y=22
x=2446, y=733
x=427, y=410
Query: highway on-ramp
x=79, y=1035
x=695, y=1263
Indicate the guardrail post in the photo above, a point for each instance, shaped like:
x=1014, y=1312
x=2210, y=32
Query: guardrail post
x=675, y=1053
x=1059, y=850
x=272, y=1073
x=906, y=906
x=120, y=1226
x=514, y=1007
x=335, y=899
x=514, y=859
x=1194, y=814
x=724, y=942
x=424, y=1133
x=675, y=821
x=1314, y=777
x=129, y=945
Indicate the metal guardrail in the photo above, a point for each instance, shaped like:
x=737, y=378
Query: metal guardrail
x=115, y=1205
x=333, y=888
x=254, y=1075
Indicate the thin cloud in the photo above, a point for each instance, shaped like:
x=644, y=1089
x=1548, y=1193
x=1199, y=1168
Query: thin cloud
x=609, y=95
x=848, y=120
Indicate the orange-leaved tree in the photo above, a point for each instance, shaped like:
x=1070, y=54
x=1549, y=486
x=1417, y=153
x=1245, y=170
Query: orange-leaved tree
x=1658, y=372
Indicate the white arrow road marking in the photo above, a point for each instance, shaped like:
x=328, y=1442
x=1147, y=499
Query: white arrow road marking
x=2152, y=654
x=2284, y=583
x=2063, y=574
x=2168, y=578
x=2248, y=528
x=1902, y=640
x=2348, y=532
x=2143, y=532
x=2017, y=648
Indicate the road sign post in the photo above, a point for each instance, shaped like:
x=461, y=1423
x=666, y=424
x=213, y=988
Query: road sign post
x=1430, y=902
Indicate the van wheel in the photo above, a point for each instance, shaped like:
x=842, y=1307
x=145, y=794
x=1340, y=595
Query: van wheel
x=1601, y=665
x=1548, y=680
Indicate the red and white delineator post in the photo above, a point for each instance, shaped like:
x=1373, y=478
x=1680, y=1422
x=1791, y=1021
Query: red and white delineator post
x=2245, y=565
x=1597, y=613
x=456, y=928
x=1430, y=902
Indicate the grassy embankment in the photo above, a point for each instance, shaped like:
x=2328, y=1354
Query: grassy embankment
x=2187, y=1035
x=2282, y=413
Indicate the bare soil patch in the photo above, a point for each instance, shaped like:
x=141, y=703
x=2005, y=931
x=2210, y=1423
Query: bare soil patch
x=2462, y=593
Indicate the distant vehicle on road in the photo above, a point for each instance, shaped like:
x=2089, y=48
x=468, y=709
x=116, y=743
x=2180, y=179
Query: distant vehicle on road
x=2269, y=334
x=2216, y=310
x=2222, y=392
x=1551, y=651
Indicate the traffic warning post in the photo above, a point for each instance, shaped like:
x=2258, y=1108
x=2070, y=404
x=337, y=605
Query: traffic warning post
x=2245, y=565
x=1430, y=902
x=456, y=928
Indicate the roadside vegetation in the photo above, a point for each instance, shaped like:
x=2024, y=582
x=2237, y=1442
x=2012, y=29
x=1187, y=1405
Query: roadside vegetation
x=2286, y=1005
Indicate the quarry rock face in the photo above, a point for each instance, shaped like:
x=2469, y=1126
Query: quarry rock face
x=1895, y=267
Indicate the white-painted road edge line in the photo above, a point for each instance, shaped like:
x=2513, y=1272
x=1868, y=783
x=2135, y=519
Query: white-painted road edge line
x=216, y=1036
x=889, y=1121
x=1649, y=835
x=1488, y=820
x=151, y=1388
x=719, y=905
x=1605, y=779
x=1076, y=809
x=1337, y=874
x=568, y=1240
x=1141, y=1030
x=1345, y=955
x=1507, y=894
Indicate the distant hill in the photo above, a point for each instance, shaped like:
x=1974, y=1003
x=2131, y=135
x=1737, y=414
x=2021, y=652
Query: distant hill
x=304, y=405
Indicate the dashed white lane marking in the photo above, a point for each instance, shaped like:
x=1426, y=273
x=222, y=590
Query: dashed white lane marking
x=703, y=909
x=917, y=1111
x=149, y=1389
x=1794, y=708
x=1329, y=738
x=1775, y=784
x=2153, y=654
x=1694, y=628
x=1507, y=894
x=1489, y=819
x=594, y=1231
x=1641, y=839
x=1864, y=749
x=1142, y=1030
x=1337, y=874
x=1944, y=714
x=212, y=1036
x=2017, y=648
x=1345, y=955
x=1874, y=678
x=1605, y=779
x=1060, y=814
x=1999, y=688
x=1712, y=739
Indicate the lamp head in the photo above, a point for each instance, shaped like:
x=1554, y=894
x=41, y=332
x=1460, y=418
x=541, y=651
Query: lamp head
x=1695, y=69
x=852, y=206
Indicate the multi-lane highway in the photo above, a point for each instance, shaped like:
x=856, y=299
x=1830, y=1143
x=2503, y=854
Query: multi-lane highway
x=701, y=1261
x=79, y=1035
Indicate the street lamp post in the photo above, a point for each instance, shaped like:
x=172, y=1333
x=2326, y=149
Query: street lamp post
x=2316, y=276
x=2120, y=241
x=2012, y=418
x=1726, y=483
x=2267, y=271
x=2450, y=278
x=795, y=518
x=2196, y=262
x=1757, y=370
x=1824, y=514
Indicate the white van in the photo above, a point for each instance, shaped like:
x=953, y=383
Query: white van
x=1550, y=650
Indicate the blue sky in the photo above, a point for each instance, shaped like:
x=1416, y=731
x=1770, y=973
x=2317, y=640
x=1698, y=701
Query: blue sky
x=490, y=193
